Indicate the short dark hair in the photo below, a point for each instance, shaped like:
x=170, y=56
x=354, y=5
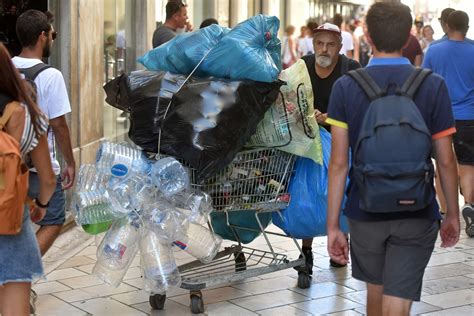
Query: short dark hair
x=30, y=24
x=208, y=22
x=311, y=25
x=458, y=21
x=337, y=20
x=172, y=7
x=445, y=14
x=389, y=25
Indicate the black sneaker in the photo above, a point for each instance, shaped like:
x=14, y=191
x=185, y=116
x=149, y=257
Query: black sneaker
x=335, y=264
x=308, y=266
x=468, y=215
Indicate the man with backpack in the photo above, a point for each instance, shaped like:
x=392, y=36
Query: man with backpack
x=389, y=115
x=325, y=66
x=36, y=35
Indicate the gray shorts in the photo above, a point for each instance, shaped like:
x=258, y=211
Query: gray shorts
x=56, y=212
x=393, y=253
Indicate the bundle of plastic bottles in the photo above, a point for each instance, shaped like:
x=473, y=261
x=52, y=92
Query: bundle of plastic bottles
x=142, y=205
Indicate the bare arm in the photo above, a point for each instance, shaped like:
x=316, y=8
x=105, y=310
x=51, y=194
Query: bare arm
x=418, y=60
x=292, y=45
x=338, y=167
x=449, y=183
x=63, y=138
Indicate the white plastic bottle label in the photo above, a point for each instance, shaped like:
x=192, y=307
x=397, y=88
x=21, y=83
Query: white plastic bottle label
x=117, y=252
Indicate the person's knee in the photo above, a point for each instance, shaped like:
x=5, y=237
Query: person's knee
x=392, y=305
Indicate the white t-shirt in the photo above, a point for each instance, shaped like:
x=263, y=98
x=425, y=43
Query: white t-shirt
x=305, y=46
x=347, y=42
x=51, y=96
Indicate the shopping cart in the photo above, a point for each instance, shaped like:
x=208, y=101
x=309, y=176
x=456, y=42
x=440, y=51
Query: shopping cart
x=256, y=180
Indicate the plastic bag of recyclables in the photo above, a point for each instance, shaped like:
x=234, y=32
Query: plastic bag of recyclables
x=289, y=124
x=251, y=50
x=145, y=206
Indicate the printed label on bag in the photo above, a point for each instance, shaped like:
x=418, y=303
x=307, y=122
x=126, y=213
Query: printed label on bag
x=119, y=170
x=181, y=245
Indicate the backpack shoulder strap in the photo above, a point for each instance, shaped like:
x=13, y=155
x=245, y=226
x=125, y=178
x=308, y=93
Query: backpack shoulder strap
x=366, y=82
x=7, y=113
x=33, y=72
x=414, y=81
x=4, y=100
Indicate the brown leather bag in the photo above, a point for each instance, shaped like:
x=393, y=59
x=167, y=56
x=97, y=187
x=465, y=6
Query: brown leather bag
x=13, y=178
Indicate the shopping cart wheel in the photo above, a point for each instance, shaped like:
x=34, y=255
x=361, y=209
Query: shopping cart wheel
x=197, y=304
x=157, y=301
x=304, y=280
x=240, y=263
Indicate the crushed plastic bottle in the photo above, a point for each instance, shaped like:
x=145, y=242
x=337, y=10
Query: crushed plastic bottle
x=164, y=219
x=170, y=176
x=195, y=204
x=132, y=193
x=200, y=243
x=158, y=264
x=121, y=160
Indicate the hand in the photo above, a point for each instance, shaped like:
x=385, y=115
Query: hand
x=189, y=27
x=320, y=117
x=338, y=247
x=68, y=176
x=449, y=231
x=37, y=213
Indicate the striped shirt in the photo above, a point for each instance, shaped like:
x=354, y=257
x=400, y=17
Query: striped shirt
x=29, y=139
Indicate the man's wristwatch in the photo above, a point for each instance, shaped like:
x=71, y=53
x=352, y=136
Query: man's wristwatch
x=38, y=203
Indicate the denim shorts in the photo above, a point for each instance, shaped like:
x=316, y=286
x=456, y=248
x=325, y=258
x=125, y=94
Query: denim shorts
x=20, y=259
x=56, y=212
x=393, y=253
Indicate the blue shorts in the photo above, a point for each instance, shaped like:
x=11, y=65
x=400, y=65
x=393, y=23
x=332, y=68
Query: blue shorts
x=56, y=212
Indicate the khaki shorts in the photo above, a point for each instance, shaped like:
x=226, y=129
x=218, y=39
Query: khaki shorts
x=393, y=253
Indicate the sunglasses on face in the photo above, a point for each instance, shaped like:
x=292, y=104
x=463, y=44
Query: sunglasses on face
x=54, y=34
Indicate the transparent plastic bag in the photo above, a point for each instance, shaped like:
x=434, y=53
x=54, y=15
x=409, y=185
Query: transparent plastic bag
x=289, y=124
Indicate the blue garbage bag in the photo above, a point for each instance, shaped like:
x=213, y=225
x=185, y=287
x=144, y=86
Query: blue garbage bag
x=251, y=50
x=305, y=216
x=181, y=54
x=245, y=219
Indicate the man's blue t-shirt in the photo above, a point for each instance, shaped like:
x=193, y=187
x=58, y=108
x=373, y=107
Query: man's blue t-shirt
x=348, y=105
x=453, y=61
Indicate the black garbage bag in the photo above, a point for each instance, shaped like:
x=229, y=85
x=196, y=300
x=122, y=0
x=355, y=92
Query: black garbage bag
x=210, y=120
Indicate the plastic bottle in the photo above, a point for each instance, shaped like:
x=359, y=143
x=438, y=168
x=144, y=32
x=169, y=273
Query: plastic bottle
x=120, y=244
x=169, y=176
x=132, y=193
x=120, y=160
x=92, y=207
x=158, y=264
x=110, y=276
x=200, y=243
x=90, y=179
x=164, y=219
x=197, y=205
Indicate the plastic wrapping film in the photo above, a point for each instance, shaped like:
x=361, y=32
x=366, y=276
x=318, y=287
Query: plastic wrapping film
x=289, y=124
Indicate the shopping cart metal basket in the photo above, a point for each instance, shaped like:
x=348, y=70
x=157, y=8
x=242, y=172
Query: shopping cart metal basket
x=256, y=180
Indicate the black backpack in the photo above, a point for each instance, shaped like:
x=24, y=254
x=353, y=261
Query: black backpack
x=31, y=73
x=391, y=160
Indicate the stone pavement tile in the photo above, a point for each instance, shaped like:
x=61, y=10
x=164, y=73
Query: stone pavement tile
x=76, y=261
x=329, y=275
x=284, y=310
x=170, y=309
x=353, y=284
x=285, y=272
x=137, y=282
x=470, y=275
x=327, y=305
x=87, y=268
x=457, y=311
x=269, y=285
x=132, y=298
x=93, y=292
x=324, y=289
x=447, y=258
x=445, y=271
x=213, y=296
x=447, y=285
x=52, y=306
x=107, y=306
x=450, y=299
x=422, y=307
x=321, y=250
x=346, y=313
x=269, y=300
x=88, y=251
x=82, y=281
x=469, y=251
x=358, y=297
x=49, y=287
x=133, y=273
x=226, y=308
x=63, y=274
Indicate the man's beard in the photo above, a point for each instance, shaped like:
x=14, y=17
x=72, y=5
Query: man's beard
x=47, y=50
x=323, y=61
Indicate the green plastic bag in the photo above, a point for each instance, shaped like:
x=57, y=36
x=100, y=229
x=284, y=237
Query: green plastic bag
x=289, y=124
x=239, y=218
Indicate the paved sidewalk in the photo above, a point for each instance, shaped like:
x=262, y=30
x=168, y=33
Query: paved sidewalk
x=70, y=289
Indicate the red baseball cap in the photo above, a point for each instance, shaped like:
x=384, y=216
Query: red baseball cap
x=328, y=27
